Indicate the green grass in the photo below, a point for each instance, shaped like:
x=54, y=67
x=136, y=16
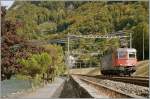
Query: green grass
x=86, y=71
x=142, y=68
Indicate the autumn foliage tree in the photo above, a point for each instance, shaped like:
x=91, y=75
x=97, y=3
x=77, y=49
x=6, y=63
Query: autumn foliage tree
x=13, y=47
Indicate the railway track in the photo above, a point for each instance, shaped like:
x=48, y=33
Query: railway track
x=137, y=80
x=109, y=91
x=133, y=80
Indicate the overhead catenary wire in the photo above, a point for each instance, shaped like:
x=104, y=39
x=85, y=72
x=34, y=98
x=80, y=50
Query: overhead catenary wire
x=119, y=35
x=96, y=36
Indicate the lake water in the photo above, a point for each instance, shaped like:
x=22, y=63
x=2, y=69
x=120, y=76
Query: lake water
x=13, y=85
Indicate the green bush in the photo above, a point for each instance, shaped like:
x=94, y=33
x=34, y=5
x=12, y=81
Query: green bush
x=56, y=52
x=35, y=64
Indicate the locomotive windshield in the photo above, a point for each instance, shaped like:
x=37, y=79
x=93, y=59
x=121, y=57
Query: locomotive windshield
x=122, y=54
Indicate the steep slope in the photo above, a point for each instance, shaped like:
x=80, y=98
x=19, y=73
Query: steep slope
x=55, y=19
x=142, y=68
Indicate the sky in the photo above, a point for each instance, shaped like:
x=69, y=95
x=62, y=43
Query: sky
x=7, y=3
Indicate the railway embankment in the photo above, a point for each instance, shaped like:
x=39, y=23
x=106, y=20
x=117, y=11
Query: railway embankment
x=84, y=90
x=73, y=89
x=102, y=88
x=142, y=68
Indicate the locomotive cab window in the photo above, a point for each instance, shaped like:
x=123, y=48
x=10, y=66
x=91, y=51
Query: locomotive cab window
x=132, y=55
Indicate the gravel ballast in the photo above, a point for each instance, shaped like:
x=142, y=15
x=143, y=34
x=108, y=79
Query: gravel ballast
x=124, y=87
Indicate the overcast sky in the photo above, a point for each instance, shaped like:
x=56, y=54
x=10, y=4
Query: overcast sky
x=7, y=3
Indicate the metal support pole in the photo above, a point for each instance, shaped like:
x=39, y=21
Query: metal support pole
x=68, y=57
x=90, y=64
x=76, y=65
x=130, y=40
x=143, y=46
x=80, y=64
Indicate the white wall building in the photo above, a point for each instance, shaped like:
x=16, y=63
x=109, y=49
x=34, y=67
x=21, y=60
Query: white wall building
x=71, y=61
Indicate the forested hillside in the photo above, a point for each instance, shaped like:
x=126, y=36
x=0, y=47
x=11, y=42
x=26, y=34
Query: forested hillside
x=54, y=19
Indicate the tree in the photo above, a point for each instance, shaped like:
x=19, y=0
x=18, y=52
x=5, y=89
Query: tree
x=36, y=64
x=138, y=39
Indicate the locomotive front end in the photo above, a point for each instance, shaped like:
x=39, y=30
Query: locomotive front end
x=127, y=59
x=121, y=61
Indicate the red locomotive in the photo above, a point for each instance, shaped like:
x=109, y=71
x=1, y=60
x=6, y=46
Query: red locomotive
x=120, y=61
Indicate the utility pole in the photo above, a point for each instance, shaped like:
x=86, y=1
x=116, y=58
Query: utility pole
x=80, y=65
x=68, y=55
x=143, y=46
x=130, y=40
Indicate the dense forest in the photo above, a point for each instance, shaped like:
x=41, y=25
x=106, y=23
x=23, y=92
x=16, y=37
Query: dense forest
x=26, y=60
x=47, y=20
x=54, y=19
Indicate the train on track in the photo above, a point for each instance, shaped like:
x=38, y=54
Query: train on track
x=120, y=61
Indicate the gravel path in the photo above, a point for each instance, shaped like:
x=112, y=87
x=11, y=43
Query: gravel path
x=125, y=87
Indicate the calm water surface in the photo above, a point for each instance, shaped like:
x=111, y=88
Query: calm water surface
x=14, y=85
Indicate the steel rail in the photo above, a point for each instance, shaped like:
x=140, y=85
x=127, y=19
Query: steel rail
x=137, y=80
x=132, y=80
